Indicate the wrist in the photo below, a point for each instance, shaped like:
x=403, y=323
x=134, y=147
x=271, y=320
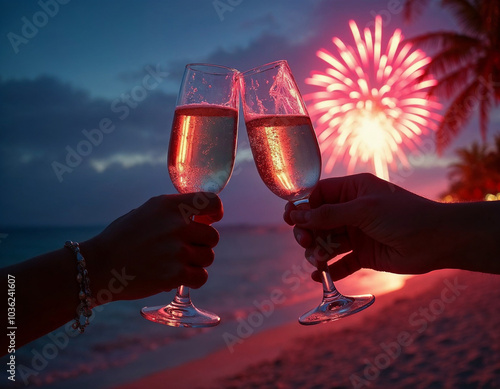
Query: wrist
x=472, y=236
x=95, y=256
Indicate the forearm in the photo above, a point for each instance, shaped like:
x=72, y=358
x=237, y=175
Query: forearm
x=474, y=236
x=46, y=294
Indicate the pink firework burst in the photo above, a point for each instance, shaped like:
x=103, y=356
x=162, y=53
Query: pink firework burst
x=372, y=107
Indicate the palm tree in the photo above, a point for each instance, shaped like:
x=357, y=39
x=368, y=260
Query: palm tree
x=477, y=172
x=467, y=64
x=494, y=161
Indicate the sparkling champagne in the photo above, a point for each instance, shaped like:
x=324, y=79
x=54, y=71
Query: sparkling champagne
x=286, y=152
x=202, y=147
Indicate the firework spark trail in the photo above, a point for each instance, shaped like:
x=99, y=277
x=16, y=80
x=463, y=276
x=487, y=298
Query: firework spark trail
x=372, y=107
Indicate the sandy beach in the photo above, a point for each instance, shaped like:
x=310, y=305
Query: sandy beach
x=439, y=331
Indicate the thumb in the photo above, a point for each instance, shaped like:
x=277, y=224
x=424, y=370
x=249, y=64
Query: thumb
x=342, y=268
x=211, y=210
x=329, y=216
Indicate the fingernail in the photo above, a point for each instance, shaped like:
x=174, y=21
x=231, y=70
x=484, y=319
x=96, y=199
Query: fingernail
x=298, y=237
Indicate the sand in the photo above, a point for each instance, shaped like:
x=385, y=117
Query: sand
x=441, y=330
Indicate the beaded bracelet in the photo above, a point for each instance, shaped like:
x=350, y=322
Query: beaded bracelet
x=85, y=307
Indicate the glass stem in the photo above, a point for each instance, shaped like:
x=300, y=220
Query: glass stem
x=330, y=293
x=182, y=296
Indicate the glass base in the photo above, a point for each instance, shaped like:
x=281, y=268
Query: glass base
x=175, y=315
x=331, y=310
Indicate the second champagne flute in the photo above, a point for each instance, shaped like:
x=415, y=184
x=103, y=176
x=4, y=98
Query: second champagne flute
x=201, y=157
x=287, y=156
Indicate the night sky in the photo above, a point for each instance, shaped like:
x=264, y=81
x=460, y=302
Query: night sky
x=68, y=68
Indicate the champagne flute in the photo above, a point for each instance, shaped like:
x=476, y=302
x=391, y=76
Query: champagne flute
x=287, y=156
x=201, y=157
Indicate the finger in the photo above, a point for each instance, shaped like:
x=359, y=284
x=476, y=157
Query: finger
x=326, y=247
x=330, y=216
x=342, y=268
x=286, y=216
x=194, y=277
x=304, y=237
x=189, y=270
x=201, y=234
x=205, y=206
x=201, y=257
x=205, y=219
x=332, y=190
x=213, y=210
x=342, y=189
x=307, y=238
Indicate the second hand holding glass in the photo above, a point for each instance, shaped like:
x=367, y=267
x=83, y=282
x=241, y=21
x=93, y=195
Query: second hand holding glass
x=201, y=157
x=287, y=156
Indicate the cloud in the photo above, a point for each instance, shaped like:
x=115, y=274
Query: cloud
x=431, y=161
x=267, y=21
x=44, y=118
x=127, y=161
x=244, y=154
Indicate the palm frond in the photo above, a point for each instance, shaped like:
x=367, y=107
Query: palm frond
x=451, y=83
x=466, y=63
x=489, y=72
x=497, y=143
x=484, y=110
x=494, y=161
x=467, y=15
x=457, y=115
x=442, y=40
x=451, y=59
x=470, y=160
x=490, y=11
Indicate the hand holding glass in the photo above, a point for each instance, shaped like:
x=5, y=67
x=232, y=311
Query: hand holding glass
x=200, y=158
x=287, y=156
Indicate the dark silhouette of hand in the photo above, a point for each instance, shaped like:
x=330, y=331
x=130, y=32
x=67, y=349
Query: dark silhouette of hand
x=158, y=245
x=384, y=227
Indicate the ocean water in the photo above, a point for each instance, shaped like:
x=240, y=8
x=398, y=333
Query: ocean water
x=259, y=278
